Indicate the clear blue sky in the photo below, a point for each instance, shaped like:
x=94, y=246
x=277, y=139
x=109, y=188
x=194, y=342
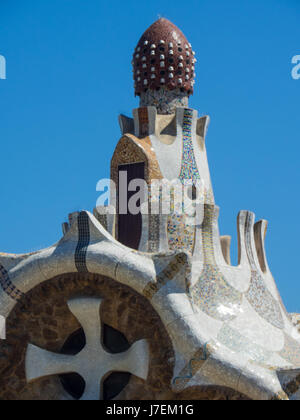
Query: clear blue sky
x=69, y=76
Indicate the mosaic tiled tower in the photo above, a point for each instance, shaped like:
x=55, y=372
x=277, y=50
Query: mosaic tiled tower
x=149, y=306
x=164, y=135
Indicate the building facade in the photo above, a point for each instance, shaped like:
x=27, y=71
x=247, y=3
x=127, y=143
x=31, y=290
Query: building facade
x=146, y=304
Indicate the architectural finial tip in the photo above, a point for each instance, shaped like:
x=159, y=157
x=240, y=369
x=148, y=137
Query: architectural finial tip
x=163, y=58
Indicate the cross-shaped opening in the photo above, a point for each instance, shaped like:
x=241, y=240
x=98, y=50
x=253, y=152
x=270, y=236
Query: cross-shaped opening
x=114, y=342
x=95, y=362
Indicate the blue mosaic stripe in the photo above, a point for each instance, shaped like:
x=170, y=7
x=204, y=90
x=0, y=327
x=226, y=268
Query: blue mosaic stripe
x=189, y=170
x=189, y=368
x=83, y=242
x=8, y=287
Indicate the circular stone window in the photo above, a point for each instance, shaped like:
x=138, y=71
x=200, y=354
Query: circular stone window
x=43, y=320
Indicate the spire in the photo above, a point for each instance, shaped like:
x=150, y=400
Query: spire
x=164, y=62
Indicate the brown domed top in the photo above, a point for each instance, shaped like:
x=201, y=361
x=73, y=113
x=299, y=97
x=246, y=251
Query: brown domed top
x=164, y=58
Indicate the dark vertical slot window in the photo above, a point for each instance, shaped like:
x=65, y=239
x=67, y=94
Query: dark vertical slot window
x=129, y=225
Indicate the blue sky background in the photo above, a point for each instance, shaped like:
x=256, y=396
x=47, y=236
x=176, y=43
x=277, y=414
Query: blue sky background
x=69, y=76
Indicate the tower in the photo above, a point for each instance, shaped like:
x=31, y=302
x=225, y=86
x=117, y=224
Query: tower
x=165, y=140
